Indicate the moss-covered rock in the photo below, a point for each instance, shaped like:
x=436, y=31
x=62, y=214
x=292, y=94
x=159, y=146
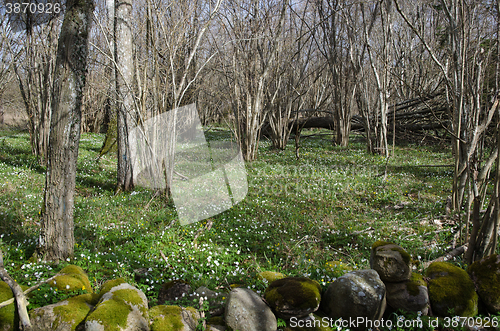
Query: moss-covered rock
x=71, y=278
x=356, y=294
x=411, y=295
x=109, y=284
x=485, y=274
x=173, y=318
x=270, y=276
x=245, y=311
x=215, y=300
x=451, y=291
x=121, y=307
x=391, y=261
x=293, y=296
x=8, y=317
x=64, y=315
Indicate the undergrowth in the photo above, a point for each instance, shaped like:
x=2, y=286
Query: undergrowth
x=332, y=204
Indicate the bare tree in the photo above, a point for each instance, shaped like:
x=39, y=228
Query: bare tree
x=293, y=79
x=56, y=240
x=335, y=44
x=6, y=60
x=34, y=66
x=254, y=29
x=464, y=65
x=126, y=109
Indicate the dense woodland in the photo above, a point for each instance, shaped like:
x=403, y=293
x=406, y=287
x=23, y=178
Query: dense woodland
x=390, y=69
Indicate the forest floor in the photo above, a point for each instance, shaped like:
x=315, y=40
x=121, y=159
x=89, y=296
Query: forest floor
x=332, y=204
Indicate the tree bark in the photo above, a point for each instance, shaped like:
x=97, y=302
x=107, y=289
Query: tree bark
x=56, y=235
x=124, y=82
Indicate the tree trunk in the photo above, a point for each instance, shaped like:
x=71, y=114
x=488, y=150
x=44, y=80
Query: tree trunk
x=124, y=82
x=56, y=235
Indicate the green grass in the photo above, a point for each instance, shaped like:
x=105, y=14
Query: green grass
x=331, y=204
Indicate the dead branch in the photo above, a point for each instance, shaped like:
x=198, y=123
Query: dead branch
x=448, y=256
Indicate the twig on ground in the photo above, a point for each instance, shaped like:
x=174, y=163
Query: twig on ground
x=157, y=193
x=448, y=256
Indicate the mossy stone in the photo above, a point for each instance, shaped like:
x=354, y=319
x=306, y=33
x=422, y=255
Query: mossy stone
x=411, y=295
x=406, y=257
x=64, y=315
x=293, y=296
x=379, y=243
x=172, y=318
x=415, y=281
x=109, y=284
x=8, y=317
x=119, y=305
x=485, y=274
x=71, y=278
x=451, y=291
x=270, y=276
x=112, y=313
x=392, y=262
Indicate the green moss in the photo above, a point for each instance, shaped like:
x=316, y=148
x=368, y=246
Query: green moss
x=78, y=273
x=166, y=318
x=67, y=283
x=450, y=288
x=71, y=278
x=72, y=269
x=487, y=270
x=270, y=276
x=406, y=257
x=300, y=292
x=132, y=297
x=74, y=311
x=112, y=314
x=8, y=318
x=379, y=243
x=415, y=281
x=108, y=285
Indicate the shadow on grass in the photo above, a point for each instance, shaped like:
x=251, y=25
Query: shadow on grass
x=91, y=182
x=19, y=157
x=423, y=172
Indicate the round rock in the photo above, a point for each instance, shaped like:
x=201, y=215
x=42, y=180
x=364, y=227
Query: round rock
x=485, y=274
x=391, y=261
x=293, y=296
x=356, y=294
x=451, y=291
x=411, y=295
